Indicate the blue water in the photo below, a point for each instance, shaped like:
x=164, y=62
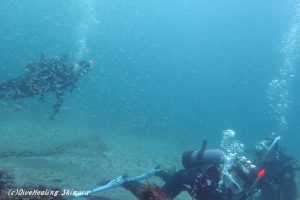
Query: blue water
x=182, y=69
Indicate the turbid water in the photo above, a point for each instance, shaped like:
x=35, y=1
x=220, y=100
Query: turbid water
x=168, y=74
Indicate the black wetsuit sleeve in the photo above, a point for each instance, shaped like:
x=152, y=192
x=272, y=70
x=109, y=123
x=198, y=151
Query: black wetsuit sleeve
x=165, y=176
x=134, y=187
x=57, y=105
x=175, y=184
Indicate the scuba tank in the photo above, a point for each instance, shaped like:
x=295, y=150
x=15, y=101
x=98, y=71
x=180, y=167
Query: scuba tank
x=191, y=159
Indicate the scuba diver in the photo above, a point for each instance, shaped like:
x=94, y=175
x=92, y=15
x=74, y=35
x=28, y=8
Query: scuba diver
x=207, y=174
x=48, y=75
x=201, y=177
x=279, y=181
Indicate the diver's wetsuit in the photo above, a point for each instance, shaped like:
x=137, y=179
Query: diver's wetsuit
x=48, y=75
x=279, y=182
x=201, y=181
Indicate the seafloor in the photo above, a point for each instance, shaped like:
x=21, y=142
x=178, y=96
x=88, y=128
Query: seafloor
x=75, y=156
x=80, y=154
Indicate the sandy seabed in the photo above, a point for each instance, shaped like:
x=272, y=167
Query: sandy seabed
x=74, y=157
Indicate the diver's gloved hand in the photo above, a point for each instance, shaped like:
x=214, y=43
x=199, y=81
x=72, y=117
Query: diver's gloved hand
x=166, y=172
